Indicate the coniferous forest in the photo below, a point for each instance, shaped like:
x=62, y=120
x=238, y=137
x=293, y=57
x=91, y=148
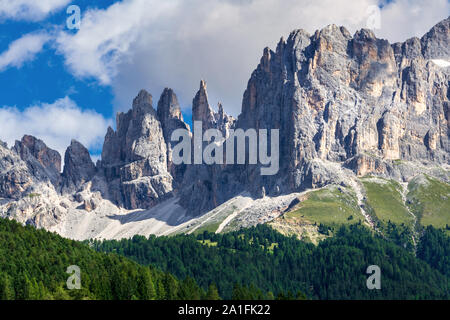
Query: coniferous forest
x=33, y=265
x=255, y=263
x=260, y=262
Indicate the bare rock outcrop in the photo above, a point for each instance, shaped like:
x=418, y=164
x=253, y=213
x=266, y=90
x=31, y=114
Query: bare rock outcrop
x=134, y=158
x=78, y=167
x=15, y=178
x=42, y=161
x=201, y=110
x=171, y=119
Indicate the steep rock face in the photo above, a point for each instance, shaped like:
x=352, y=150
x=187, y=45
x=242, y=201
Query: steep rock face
x=78, y=167
x=134, y=158
x=205, y=186
x=15, y=178
x=224, y=122
x=171, y=119
x=336, y=97
x=201, y=110
x=435, y=42
x=42, y=161
x=29, y=178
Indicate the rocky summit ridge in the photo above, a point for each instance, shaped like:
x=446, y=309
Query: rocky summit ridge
x=346, y=106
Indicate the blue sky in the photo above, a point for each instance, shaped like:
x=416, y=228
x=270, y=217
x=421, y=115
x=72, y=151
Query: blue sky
x=45, y=78
x=60, y=84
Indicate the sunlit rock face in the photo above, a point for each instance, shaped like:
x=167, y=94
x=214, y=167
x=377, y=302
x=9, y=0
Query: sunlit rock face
x=355, y=99
x=134, y=157
x=78, y=167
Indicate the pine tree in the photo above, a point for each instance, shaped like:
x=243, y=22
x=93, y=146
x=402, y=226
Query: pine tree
x=160, y=290
x=170, y=286
x=6, y=288
x=212, y=293
x=146, y=287
x=189, y=290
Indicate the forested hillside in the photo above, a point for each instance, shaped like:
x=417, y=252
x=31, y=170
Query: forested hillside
x=263, y=258
x=33, y=265
x=256, y=263
x=434, y=248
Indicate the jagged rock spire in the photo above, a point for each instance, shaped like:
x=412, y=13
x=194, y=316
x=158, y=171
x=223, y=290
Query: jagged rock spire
x=31, y=146
x=169, y=114
x=224, y=122
x=143, y=101
x=78, y=166
x=134, y=158
x=201, y=110
x=168, y=106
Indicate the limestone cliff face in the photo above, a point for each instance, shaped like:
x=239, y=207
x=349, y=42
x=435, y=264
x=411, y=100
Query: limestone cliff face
x=78, y=167
x=28, y=166
x=201, y=110
x=15, y=178
x=134, y=158
x=350, y=100
x=171, y=119
x=42, y=161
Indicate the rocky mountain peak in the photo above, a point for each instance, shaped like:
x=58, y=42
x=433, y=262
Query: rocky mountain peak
x=171, y=119
x=333, y=32
x=344, y=105
x=224, y=122
x=143, y=102
x=201, y=110
x=78, y=167
x=168, y=106
x=364, y=35
x=134, y=158
x=31, y=146
x=435, y=43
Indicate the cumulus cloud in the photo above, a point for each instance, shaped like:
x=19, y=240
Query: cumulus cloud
x=151, y=44
x=106, y=36
x=23, y=50
x=32, y=10
x=56, y=124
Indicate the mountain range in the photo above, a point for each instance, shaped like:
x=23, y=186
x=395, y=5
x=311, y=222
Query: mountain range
x=364, y=137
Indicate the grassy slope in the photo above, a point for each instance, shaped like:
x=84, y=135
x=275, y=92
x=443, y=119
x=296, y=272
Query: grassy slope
x=429, y=199
x=330, y=206
x=385, y=201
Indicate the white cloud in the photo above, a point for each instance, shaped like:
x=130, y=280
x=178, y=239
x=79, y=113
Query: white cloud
x=403, y=19
x=23, y=50
x=105, y=37
x=32, y=10
x=56, y=124
x=152, y=44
